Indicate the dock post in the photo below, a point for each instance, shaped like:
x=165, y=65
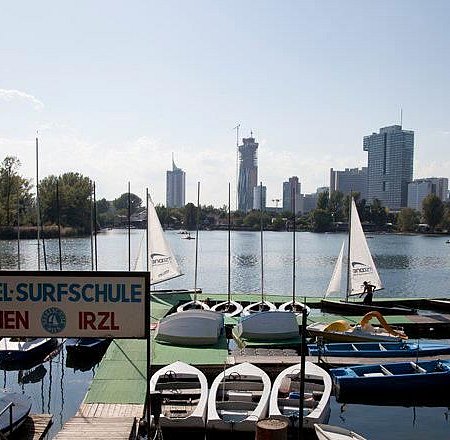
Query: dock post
x=271, y=429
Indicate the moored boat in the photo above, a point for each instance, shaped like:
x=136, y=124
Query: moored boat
x=400, y=383
x=329, y=432
x=238, y=398
x=285, y=395
x=342, y=331
x=190, y=328
x=379, y=349
x=20, y=409
x=86, y=346
x=15, y=350
x=184, y=395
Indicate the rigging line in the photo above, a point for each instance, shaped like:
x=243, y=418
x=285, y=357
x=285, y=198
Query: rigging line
x=139, y=252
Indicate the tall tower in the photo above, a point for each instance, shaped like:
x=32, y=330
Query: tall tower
x=175, y=187
x=292, y=195
x=389, y=166
x=248, y=173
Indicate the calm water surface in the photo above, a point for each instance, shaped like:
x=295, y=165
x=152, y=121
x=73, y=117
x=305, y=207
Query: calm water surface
x=410, y=266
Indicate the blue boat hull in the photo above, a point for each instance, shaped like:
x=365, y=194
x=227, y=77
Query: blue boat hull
x=425, y=383
x=11, y=358
x=379, y=349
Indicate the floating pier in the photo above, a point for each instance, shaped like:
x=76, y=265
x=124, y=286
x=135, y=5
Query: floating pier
x=35, y=427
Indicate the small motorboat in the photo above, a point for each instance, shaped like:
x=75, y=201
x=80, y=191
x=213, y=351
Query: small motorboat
x=87, y=346
x=184, y=395
x=16, y=350
x=20, y=410
x=329, y=432
x=192, y=328
x=238, y=398
x=342, y=331
x=425, y=383
x=272, y=326
x=379, y=349
x=285, y=395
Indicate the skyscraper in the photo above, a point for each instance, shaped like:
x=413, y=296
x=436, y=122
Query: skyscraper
x=390, y=166
x=349, y=180
x=175, y=187
x=420, y=188
x=259, y=197
x=248, y=173
x=292, y=195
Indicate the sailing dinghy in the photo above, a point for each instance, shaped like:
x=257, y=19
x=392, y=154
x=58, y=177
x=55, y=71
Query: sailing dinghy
x=184, y=395
x=238, y=398
x=229, y=307
x=360, y=267
x=285, y=395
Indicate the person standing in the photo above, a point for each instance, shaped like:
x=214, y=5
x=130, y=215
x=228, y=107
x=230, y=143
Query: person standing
x=368, y=290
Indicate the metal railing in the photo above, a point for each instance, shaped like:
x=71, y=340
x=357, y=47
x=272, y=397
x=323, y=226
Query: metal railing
x=6, y=408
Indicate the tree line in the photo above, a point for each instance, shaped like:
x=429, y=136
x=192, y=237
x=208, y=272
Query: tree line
x=66, y=202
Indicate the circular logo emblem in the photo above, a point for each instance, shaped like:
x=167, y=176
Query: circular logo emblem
x=53, y=320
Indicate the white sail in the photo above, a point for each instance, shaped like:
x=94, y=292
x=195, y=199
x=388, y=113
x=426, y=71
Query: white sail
x=335, y=283
x=361, y=267
x=163, y=265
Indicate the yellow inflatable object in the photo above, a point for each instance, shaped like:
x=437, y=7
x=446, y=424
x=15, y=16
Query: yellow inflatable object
x=338, y=326
x=367, y=317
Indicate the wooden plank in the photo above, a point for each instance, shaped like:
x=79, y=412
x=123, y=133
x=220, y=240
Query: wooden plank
x=35, y=427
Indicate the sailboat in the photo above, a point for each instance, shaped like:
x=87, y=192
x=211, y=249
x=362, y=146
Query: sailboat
x=294, y=305
x=162, y=262
x=195, y=303
x=360, y=268
x=263, y=305
x=229, y=307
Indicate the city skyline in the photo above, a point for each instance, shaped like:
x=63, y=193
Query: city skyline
x=115, y=82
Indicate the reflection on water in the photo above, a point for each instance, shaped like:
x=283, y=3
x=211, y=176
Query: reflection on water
x=408, y=265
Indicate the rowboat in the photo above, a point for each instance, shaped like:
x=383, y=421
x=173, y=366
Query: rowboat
x=184, y=395
x=20, y=410
x=424, y=383
x=342, y=331
x=15, y=350
x=285, y=395
x=379, y=349
x=238, y=398
x=328, y=432
x=192, y=327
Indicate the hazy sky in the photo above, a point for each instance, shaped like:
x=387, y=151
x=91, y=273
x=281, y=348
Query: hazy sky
x=114, y=87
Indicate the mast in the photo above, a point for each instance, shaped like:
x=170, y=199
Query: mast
x=196, y=242
x=229, y=242
x=293, y=250
x=262, y=248
x=147, y=235
x=129, y=228
x=38, y=216
x=347, y=292
x=59, y=225
x=18, y=228
x=237, y=162
x=92, y=228
x=95, y=230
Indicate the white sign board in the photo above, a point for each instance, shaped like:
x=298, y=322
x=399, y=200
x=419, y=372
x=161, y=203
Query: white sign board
x=73, y=304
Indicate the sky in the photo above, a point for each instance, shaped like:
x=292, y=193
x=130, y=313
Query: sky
x=113, y=88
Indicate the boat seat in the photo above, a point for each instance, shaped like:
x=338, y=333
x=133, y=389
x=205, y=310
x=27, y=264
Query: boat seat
x=354, y=348
x=285, y=385
x=382, y=348
x=385, y=371
x=240, y=396
x=417, y=368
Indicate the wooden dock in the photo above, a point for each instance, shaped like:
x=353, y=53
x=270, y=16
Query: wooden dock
x=35, y=427
x=103, y=421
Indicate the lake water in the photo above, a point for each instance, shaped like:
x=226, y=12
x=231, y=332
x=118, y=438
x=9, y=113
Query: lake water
x=410, y=266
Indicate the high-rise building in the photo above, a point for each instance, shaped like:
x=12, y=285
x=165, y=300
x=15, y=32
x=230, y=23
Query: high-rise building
x=248, y=173
x=349, y=180
x=175, y=187
x=292, y=195
x=259, y=197
x=389, y=166
x=418, y=189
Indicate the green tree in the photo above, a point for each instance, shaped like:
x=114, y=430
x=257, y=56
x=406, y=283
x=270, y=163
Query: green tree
x=74, y=201
x=190, y=216
x=321, y=220
x=378, y=214
x=336, y=205
x=121, y=204
x=407, y=220
x=15, y=192
x=322, y=200
x=433, y=210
